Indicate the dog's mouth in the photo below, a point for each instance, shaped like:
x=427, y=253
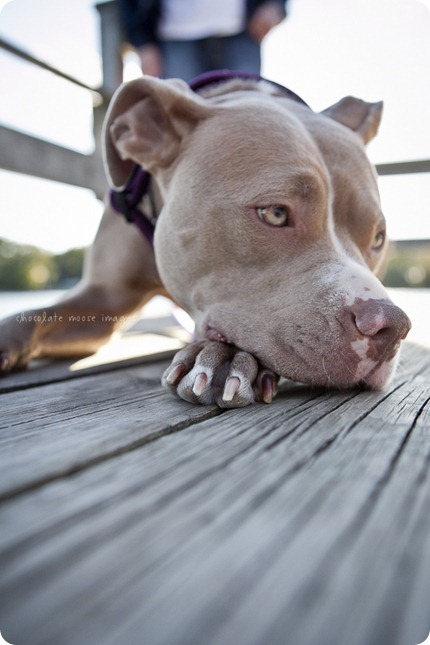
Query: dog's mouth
x=324, y=361
x=337, y=373
x=340, y=367
x=212, y=332
x=380, y=375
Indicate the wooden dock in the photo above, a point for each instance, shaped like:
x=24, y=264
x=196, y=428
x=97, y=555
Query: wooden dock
x=131, y=518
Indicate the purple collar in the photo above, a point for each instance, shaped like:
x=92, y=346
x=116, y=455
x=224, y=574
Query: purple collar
x=126, y=202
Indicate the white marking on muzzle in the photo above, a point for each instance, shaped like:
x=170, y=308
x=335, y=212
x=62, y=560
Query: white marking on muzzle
x=362, y=284
x=366, y=365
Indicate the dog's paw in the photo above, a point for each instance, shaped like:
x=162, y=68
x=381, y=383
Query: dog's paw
x=15, y=346
x=4, y=362
x=11, y=360
x=211, y=372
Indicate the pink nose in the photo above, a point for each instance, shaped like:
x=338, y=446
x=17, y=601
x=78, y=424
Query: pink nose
x=381, y=321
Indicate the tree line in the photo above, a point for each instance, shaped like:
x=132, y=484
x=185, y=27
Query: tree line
x=25, y=267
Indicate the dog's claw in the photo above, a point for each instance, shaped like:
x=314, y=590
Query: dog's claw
x=232, y=385
x=269, y=388
x=4, y=362
x=175, y=374
x=200, y=384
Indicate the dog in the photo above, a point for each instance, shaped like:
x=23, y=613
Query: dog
x=269, y=232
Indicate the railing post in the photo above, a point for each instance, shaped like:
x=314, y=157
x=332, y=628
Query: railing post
x=111, y=42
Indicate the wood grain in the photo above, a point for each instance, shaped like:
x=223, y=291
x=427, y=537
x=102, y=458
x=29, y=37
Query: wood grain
x=135, y=518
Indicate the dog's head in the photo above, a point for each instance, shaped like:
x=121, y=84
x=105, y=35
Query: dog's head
x=271, y=229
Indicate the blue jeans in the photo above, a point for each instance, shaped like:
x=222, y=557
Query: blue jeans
x=188, y=58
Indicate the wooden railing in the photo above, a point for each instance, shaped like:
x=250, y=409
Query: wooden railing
x=30, y=155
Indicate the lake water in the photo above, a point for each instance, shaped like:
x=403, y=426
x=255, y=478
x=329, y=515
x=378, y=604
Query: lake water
x=14, y=301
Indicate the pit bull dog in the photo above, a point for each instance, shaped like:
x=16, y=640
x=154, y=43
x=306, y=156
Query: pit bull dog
x=268, y=232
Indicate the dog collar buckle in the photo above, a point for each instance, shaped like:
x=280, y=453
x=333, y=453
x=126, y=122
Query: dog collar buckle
x=121, y=199
x=126, y=203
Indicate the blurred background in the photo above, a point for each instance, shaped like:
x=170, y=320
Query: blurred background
x=60, y=61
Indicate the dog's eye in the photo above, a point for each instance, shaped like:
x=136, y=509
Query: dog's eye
x=378, y=241
x=274, y=215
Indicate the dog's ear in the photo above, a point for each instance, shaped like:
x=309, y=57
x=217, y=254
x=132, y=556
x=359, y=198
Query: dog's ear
x=364, y=118
x=146, y=123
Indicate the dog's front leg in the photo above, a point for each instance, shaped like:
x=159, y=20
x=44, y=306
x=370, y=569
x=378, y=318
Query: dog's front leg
x=76, y=326
x=119, y=277
x=209, y=372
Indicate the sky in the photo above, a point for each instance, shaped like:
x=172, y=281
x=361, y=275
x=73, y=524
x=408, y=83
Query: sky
x=373, y=49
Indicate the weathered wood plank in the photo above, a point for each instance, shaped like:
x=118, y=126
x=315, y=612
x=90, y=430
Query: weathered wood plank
x=307, y=518
x=62, y=427
x=22, y=153
x=56, y=429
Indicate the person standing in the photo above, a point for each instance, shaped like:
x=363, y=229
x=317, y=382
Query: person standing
x=185, y=38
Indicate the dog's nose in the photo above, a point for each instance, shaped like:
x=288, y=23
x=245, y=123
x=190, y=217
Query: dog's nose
x=381, y=321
